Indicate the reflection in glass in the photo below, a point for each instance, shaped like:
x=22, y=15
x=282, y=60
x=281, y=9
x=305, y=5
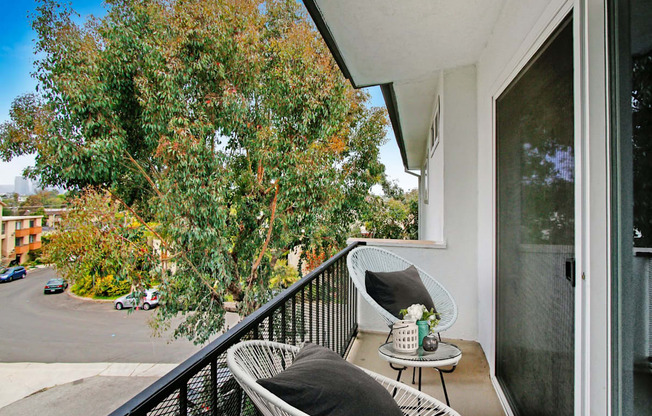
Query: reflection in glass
x=631, y=109
x=535, y=168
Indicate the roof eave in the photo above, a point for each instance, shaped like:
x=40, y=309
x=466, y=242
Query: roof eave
x=387, y=89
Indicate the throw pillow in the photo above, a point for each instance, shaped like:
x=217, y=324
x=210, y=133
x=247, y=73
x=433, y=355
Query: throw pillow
x=397, y=290
x=319, y=382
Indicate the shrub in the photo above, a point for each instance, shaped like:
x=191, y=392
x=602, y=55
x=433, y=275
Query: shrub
x=283, y=275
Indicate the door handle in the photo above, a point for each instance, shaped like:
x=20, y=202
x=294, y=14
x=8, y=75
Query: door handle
x=570, y=270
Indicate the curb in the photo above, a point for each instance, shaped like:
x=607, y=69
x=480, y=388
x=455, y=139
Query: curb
x=27, y=378
x=68, y=291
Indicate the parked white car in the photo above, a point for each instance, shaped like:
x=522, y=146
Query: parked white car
x=146, y=302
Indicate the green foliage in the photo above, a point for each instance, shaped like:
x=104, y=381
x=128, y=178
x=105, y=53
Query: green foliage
x=33, y=204
x=225, y=121
x=35, y=255
x=642, y=148
x=283, y=275
x=101, y=286
x=101, y=250
x=108, y=286
x=431, y=316
x=392, y=215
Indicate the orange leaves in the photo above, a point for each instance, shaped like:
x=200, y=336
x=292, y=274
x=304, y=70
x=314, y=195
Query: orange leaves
x=337, y=145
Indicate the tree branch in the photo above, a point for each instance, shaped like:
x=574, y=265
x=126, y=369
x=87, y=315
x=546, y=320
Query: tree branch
x=254, y=268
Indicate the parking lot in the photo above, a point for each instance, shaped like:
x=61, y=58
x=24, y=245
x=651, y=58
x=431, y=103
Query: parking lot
x=59, y=328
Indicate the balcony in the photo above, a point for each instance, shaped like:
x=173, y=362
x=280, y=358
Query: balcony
x=22, y=249
x=35, y=245
x=321, y=308
x=23, y=232
x=35, y=230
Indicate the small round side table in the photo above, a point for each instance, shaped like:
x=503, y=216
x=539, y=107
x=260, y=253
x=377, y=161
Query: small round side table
x=446, y=355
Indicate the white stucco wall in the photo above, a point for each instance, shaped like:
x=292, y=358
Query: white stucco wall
x=451, y=213
x=440, y=263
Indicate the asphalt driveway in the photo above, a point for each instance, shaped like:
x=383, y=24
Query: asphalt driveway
x=58, y=328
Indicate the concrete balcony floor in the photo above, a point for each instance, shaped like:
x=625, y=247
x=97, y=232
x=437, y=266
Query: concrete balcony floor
x=469, y=387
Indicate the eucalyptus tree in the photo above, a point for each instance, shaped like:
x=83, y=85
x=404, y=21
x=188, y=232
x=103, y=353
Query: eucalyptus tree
x=226, y=121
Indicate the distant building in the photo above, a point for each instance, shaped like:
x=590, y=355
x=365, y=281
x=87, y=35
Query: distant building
x=18, y=236
x=52, y=218
x=22, y=186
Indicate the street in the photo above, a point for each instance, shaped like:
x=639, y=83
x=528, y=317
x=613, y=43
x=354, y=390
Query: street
x=58, y=328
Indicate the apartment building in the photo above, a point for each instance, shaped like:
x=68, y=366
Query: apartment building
x=18, y=236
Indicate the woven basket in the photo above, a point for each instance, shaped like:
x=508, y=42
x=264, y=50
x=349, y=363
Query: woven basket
x=406, y=337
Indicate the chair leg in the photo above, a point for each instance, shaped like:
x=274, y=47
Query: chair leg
x=389, y=335
x=414, y=369
x=398, y=378
x=443, y=384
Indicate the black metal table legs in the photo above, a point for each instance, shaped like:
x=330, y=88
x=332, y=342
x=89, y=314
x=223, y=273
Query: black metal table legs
x=441, y=376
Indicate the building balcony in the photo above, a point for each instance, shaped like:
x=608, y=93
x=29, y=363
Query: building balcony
x=35, y=245
x=323, y=308
x=35, y=230
x=23, y=232
x=22, y=249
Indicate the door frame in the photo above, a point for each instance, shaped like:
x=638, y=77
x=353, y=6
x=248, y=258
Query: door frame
x=592, y=209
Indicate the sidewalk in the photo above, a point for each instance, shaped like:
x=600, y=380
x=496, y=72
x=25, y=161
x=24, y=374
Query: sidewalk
x=23, y=379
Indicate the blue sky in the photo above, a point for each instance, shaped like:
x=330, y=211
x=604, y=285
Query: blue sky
x=17, y=57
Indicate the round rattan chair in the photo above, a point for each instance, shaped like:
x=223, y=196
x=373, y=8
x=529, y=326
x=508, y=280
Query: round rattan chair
x=376, y=259
x=252, y=360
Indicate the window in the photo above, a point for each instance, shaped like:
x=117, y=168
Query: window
x=19, y=225
x=435, y=130
x=31, y=239
x=3, y=227
x=425, y=191
x=31, y=223
x=18, y=241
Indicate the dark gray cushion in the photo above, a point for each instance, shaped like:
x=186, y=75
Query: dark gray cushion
x=397, y=290
x=319, y=382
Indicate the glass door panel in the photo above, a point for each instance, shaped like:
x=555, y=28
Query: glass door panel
x=631, y=80
x=536, y=232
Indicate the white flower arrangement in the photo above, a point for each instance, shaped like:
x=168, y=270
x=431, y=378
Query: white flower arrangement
x=415, y=312
x=418, y=312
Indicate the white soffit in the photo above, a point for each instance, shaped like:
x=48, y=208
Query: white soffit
x=385, y=41
x=416, y=103
x=408, y=43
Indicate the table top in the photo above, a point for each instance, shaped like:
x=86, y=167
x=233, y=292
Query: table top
x=447, y=354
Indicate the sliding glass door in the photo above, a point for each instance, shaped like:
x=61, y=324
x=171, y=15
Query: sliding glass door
x=536, y=237
x=631, y=109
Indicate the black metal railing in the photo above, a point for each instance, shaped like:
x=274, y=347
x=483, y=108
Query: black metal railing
x=320, y=308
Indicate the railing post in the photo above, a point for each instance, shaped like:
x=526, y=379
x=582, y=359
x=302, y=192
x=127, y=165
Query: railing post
x=214, y=387
x=283, y=323
x=331, y=316
x=310, y=311
x=183, y=399
x=340, y=315
x=317, y=309
x=294, y=320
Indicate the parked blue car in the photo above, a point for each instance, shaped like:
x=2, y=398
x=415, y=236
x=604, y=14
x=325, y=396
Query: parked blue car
x=12, y=273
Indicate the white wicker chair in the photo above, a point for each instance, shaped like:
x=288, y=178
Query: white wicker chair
x=252, y=360
x=376, y=259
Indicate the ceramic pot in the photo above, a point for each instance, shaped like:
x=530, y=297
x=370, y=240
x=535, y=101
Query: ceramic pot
x=430, y=343
x=424, y=328
x=406, y=337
